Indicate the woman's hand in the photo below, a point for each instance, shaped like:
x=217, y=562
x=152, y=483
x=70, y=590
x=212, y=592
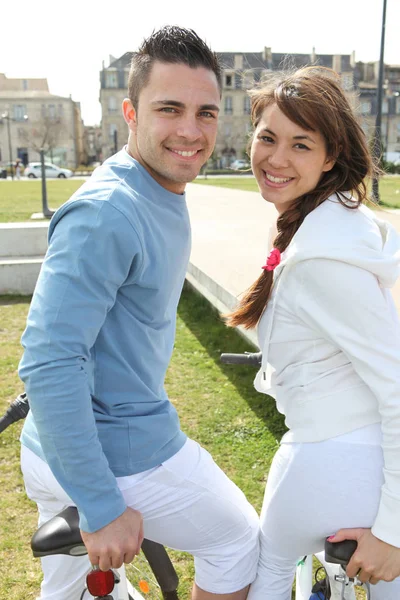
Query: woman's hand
x=373, y=560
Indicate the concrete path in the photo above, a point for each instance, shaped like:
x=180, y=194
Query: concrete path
x=230, y=241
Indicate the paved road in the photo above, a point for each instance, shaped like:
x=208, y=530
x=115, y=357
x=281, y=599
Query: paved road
x=230, y=235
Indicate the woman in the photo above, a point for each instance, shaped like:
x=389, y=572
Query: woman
x=330, y=338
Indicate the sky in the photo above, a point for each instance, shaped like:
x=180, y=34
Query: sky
x=68, y=42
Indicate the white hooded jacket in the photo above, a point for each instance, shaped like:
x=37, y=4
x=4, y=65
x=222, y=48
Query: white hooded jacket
x=330, y=338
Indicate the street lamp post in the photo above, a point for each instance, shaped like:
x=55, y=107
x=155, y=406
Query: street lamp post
x=7, y=118
x=47, y=212
x=391, y=104
x=377, y=144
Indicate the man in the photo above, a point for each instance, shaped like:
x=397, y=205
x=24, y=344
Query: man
x=99, y=337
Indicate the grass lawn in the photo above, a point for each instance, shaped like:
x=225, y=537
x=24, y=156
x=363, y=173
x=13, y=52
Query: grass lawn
x=19, y=199
x=389, y=187
x=217, y=405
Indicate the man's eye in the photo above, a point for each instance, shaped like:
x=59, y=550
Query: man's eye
x=206, y=113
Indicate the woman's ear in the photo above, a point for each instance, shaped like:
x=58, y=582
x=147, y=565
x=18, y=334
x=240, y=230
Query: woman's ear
x=329, y=164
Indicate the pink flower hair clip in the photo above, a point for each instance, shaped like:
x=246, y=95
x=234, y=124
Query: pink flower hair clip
x=273, y=260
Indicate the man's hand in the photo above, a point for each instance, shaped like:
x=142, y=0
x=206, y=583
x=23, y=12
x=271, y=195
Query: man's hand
x=116, y=543
x=373, y=560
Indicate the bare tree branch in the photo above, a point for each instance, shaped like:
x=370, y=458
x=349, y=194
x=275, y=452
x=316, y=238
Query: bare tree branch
x=44, y=134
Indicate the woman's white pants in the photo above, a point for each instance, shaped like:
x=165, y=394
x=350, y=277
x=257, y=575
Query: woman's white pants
x=313, y=490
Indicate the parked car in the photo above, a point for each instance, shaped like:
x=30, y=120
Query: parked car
x=240, y=163
x=34, y=171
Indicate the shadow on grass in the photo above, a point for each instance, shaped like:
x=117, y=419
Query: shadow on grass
x=11, y=299
x=205, y=323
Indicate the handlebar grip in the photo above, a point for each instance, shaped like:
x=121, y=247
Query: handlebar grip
x=16, y=411
x=248, y=358
x=341, y=552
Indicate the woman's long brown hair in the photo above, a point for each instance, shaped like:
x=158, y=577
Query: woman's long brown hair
x=313, y=99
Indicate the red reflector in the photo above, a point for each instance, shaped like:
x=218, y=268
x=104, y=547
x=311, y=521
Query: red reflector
x=100, y=583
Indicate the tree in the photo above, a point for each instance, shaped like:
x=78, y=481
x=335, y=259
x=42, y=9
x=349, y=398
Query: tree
x=44, y=134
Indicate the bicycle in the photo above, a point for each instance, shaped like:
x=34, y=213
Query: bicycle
x=61, y=535
x=335, y=584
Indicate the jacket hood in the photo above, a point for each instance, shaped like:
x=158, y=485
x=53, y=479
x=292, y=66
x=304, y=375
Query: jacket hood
x=353, y=235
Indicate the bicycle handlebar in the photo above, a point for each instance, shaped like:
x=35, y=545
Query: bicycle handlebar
x=248, y=358
x=16, y=411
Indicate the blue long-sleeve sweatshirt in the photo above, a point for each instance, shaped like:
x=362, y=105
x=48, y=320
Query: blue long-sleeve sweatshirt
x=100, y=334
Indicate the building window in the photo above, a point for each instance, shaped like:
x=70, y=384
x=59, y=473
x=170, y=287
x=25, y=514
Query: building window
x=347, y=81
x=227, y=131
x=24, y=84
x=246, y=105
x=112, y=104
x=365, y=108
x=19, y=112
x=112, y=130
x=365, y=128
x=247, y=80
x=43, y=111
x=60, y=111
x=385, y=107
x=51, y=111
x=111, y=79
x=228, y=80
x=228, y=109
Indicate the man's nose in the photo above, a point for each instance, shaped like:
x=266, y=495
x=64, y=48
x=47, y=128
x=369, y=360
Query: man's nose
x=189, y=129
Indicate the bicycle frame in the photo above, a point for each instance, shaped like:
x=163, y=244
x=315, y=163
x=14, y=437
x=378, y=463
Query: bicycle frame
x=155, y=553
x=304, y=579
x=61, y=535
x=342, y=588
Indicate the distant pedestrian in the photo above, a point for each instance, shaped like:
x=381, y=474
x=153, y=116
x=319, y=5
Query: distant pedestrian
x=18, y=168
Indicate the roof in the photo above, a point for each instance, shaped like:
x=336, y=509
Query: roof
x=256, y=60
x=122, y=62
x=29, y=95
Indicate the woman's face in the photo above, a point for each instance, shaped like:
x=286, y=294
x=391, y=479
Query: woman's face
x=287, y=160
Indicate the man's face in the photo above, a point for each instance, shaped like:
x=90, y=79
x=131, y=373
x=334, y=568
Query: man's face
x=173, y=132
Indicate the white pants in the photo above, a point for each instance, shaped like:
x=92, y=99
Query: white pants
x=313, y=490
x=187, y=503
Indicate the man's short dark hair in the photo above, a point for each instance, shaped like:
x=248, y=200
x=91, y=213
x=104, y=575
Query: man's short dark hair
x=170, y=44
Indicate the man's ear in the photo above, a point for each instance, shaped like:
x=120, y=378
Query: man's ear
x=129, y=114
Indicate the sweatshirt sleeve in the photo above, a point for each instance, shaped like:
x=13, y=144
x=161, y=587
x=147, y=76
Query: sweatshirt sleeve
x=92, y=250
x=347, y=306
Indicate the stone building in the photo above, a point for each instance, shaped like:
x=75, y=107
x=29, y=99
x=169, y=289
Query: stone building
x=31, y=117
x=243, y=71
x=366, y=80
